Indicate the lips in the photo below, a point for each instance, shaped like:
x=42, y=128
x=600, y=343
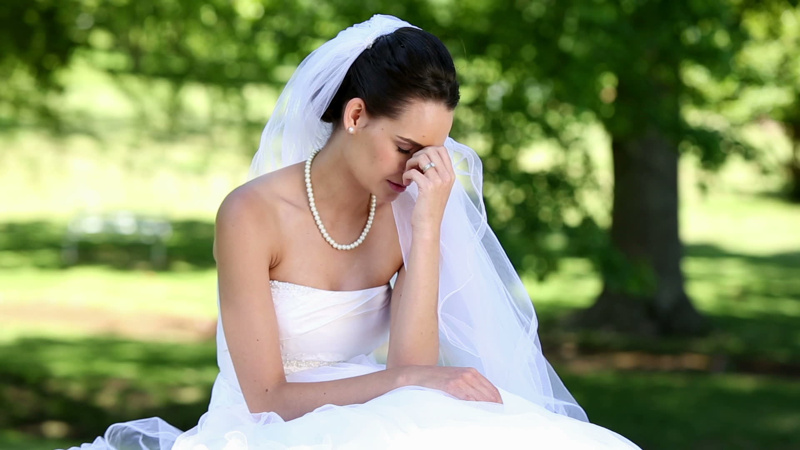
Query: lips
x=399, y=188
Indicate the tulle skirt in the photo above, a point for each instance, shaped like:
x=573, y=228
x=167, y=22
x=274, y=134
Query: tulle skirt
x=409, y=417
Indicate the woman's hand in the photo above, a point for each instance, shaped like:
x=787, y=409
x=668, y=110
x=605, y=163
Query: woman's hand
x=434, y=182
x=464, y=383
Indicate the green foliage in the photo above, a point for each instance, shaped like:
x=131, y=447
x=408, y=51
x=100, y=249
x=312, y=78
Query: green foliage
x=535, y=72
x=43, y=244
x=770, y=70
x=37, y=38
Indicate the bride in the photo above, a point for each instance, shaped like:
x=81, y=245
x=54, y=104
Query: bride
x=364, y=221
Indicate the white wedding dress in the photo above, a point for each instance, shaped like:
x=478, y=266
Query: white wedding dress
x=328, y=335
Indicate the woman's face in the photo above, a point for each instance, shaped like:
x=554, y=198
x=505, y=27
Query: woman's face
x=385, y=145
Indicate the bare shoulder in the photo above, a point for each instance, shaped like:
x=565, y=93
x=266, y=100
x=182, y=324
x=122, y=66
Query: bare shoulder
x=250, y=213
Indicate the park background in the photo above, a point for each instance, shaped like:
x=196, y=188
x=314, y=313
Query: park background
x=642, y=169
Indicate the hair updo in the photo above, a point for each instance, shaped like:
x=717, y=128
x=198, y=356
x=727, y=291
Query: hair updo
x=408, y=64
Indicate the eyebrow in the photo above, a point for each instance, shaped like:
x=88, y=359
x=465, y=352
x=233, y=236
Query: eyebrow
x=410, y=141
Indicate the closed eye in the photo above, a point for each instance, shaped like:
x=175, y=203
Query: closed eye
x=408, y=143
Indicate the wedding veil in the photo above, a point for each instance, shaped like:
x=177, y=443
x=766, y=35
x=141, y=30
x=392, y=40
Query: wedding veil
x=486, y=318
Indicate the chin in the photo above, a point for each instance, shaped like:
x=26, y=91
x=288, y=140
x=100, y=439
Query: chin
x=386, y=195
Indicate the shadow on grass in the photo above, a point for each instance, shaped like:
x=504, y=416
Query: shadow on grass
x=752, y=301
x=775, y=275
x=81, y=386
x=41, y=244
x=692, y=411
x=755, y=306
x=76, y=388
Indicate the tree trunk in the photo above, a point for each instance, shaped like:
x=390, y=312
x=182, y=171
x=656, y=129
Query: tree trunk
x=643, y=290
x=794, y=162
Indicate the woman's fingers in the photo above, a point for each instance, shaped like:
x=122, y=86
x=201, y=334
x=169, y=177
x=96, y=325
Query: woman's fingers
x=470, y=384
x=493, y=394
x=415, y=176
x=418, y=161
x=441, y=158
x=436, y=155
x=437, y=161
x=434, y=183
x=487, y=392
x=465, y=383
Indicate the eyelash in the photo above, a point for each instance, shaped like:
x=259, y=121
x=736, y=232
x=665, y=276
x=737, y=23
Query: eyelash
x=403, y=151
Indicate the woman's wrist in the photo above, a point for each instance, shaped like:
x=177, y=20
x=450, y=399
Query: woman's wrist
x=426, y=235
x=405, y=376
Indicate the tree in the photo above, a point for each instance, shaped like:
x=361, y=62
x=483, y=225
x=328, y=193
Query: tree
x=533, y=71
x=623, y=63
x=641, y=60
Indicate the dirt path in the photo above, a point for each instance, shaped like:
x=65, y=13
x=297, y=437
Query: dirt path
x=42, y=316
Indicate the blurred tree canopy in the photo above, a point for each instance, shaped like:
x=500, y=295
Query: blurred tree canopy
x=651, y=74
x=769, y=67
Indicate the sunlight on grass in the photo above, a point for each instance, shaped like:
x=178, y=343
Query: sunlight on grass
x=186, y=293
x=84, y=300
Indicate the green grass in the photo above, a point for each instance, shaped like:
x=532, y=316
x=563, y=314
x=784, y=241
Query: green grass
x=12, y=439
x=110, y=301
x=752, y=299
x=191, y=293
x=64, y=378
x=64, y=382
x=693, y=411
x=55, y=388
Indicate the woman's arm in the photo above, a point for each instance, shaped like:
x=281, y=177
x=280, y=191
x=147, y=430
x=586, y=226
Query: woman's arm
x=414, y=327
x=414, y=332
x=244, y=248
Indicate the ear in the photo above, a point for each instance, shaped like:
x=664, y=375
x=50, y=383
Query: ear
x=355, y=114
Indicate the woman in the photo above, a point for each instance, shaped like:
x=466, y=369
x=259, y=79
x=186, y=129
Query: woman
x=354, y=184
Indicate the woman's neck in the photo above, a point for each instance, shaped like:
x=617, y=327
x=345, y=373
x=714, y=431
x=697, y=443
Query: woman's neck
x=338, y=195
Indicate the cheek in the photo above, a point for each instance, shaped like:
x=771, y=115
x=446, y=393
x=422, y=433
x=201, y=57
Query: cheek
x=385, y=157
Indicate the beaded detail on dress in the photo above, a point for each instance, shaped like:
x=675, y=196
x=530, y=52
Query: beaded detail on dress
x=296, y=365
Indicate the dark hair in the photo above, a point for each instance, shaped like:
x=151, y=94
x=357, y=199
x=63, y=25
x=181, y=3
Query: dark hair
x=408, y=64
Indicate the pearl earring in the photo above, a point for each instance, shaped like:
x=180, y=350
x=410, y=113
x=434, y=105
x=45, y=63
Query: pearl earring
x=351, y=130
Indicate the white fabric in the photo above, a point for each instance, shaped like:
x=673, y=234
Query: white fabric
x=314, y=325
x=487, y=321
x=411, y=417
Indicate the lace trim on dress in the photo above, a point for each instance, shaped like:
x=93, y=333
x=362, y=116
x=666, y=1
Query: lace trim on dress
x=296, y=289
x=296, y=365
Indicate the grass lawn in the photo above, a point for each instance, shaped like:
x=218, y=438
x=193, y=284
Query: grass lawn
x=64, y=378
x=693, y=410
x=58, y=386
x=86, y=346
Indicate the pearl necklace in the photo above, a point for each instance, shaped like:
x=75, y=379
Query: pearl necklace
x=315, y=213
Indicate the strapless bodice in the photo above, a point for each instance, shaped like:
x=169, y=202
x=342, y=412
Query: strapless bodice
x=317, y=327
x=321, y=325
